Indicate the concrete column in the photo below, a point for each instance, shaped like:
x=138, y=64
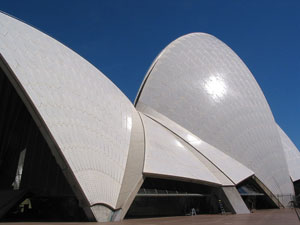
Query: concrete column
x=235, y=200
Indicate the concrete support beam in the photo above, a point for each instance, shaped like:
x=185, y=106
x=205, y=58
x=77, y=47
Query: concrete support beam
x=102, y=213
x=235, y=200
x=133, y=176
x=274, y=199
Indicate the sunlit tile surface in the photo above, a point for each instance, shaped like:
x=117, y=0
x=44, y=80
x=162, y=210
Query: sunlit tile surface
x=292, y=155
x=224, y=167
x=88, y=116
x=166, y=154
x=201, y=84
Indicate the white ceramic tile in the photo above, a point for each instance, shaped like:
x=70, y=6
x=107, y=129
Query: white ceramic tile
x=168, y=155
x=232, y=169
x=79, y=105
x=202, y=85
x=292, y=155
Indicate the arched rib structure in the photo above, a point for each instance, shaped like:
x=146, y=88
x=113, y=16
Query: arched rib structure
x=85, y=118
x=202, y=85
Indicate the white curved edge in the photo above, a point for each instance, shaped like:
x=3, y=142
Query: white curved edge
x=167, y=155
x=153, y=65
x=84, y=117
x=292, y=155
x=232, y=169
x=202, y=85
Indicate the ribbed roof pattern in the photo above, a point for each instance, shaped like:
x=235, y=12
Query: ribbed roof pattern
x=201, y=84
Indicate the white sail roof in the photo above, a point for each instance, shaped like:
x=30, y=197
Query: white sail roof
x=202, y=85
x=169, y=156
x=292, y=155
x=85, y=118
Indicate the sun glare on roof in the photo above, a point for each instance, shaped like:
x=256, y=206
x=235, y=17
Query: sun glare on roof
x=129, y=123
x=215, y=87
x=179, y=144
x=193, y=140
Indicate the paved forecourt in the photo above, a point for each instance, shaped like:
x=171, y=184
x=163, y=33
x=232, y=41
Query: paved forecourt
x=261, y=217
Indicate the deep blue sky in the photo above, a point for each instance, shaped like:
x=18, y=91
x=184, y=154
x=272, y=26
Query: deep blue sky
x=121, y=38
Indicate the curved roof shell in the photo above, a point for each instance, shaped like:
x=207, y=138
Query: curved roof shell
x=292, y=155
x=228, y=171
x=168, y=156
x=201, y=84
x=85, y=118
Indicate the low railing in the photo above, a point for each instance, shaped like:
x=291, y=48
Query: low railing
x=293, y=203
x=286, y=199
x=145, y=192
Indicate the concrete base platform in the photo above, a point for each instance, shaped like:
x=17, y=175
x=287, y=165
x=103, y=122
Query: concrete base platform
x=261, y=217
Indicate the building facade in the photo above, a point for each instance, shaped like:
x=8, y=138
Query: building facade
x=200, y=135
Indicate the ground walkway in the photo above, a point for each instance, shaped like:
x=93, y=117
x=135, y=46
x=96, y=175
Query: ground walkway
x=261, y=217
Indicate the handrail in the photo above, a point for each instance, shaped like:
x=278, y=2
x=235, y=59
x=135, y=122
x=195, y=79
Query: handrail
x=294, y=203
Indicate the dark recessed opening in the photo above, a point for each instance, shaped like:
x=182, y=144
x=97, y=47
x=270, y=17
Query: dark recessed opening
x=32, y=187
x=254, y=196
x=297, y=192
x=163, y=197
